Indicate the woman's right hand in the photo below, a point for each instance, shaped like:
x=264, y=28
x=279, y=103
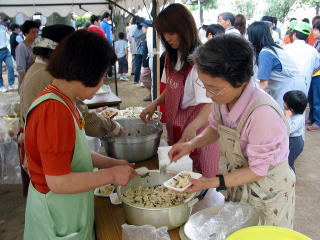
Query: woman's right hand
x=122, y=174
x=179, y=150
x=147, y=113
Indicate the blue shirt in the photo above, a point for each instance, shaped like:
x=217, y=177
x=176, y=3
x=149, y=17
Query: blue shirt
x=296, y=123
x=106, y=27
x=139, y=38
x=268, y=63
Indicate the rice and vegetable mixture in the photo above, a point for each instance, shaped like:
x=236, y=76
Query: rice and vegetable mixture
x=158, y=196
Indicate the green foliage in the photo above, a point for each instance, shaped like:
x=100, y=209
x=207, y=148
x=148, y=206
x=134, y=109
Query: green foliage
x=279, y=8
x=81, y=20
x=204, y=4
x=311, y=3
x=245, y=7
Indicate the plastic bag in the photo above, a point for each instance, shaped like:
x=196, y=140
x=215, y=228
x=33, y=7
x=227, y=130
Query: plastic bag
x=10, y=105
x=10, y=172
x=145, y=232
x=229, y=219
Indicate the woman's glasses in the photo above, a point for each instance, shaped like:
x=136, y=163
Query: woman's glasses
x=213, y=92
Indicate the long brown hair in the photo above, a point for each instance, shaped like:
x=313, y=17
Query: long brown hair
x=177, y=19
x=240, y=24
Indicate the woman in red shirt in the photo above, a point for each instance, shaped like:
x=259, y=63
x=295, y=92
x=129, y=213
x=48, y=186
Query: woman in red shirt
x=60, y=198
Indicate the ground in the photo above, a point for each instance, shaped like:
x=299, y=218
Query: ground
x=307, y=215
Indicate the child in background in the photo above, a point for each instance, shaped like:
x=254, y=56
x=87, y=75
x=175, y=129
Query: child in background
x=295, y=103
x=121, y=49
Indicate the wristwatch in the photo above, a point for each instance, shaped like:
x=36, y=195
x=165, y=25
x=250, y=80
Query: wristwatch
x=222, y=184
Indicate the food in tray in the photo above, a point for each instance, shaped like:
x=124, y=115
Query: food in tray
x=109, y=112
x=181, y=180
x=157, y=196
x=107, y=189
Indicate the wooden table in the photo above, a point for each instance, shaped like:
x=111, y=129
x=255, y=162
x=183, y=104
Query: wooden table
x=109, y=217
x=103, y=100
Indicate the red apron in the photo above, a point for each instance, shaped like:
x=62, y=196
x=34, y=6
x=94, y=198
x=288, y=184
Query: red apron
x=205, y=159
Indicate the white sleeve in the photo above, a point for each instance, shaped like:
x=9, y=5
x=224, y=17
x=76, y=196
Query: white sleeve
x=199, y=92
x=164, y=77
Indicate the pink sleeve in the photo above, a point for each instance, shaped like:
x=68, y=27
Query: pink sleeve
x=212, y=117
x=267, y=140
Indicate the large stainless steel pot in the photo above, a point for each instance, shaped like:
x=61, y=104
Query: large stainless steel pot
x=139, y=141
x=172, y=217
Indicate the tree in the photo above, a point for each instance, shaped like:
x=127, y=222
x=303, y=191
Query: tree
x=279, y=8
x=245, y=7
x=192, y=5
x=311, y=3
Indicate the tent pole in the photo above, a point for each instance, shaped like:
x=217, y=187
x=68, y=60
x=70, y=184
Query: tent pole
x=155, y=62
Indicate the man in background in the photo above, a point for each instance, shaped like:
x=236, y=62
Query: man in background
x=5, y=56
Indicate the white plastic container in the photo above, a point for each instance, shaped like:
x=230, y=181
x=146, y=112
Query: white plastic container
x=170, y=183
x=183, y=164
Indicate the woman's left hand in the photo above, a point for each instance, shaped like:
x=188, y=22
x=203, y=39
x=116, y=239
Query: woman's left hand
x=199, y=184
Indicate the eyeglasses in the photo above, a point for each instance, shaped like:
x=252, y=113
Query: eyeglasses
x=214, y=92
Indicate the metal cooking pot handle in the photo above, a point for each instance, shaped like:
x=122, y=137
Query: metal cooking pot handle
x=192, y=202
x=159, y=115
x=157, y=125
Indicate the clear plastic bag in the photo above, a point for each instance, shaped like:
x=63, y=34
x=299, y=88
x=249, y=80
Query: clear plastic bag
x=230, y=218
x=145, y=232
x=10, y=105
x=10, y=172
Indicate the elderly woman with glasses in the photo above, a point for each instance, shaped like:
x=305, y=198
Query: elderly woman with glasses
x=187, y=107
x=251, y=130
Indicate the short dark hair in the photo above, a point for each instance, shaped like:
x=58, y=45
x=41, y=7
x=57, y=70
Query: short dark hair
x=301, y=36
x=228, y=15
x=14, y=26
x=316, y=25
x=296, y=101
x=121, y=35
x=306, y=20
x=214, y=29
x=76, y=58
x=56, y=33
x=94, y=18
x=27, y=25
x=105, y=15
x=228, y=56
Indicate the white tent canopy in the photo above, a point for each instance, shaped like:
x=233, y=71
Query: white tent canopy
x=64, y=7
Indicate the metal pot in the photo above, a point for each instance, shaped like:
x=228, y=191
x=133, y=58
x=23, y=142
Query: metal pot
x=139, y=141
x=172, y=217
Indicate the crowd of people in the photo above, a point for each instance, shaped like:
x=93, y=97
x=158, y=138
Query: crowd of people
x=235, y=101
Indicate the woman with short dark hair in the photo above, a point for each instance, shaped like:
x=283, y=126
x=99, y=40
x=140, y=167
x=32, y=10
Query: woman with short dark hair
x=183, y=97
x=213, y=30
x=60, y=200
x=24, y=56
x=251, y=131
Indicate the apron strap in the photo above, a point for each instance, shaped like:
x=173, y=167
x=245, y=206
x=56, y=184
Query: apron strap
x=272, y=104
x=218, y=113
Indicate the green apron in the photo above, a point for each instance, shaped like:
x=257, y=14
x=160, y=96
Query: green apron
x=62, y=216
